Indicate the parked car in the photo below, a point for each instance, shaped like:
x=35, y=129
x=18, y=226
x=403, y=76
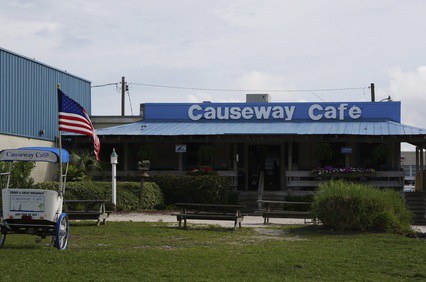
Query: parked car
x=408, y=186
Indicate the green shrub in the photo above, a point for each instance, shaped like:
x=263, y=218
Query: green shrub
x=151, y=196
x=299, y=198
x=129, y=194
x=20, y=176
x=347, y=206
x=195, y=189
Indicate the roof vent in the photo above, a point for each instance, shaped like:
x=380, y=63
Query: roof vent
x=257, y=98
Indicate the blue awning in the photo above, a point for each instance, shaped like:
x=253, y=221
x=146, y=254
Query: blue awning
x=65, y=154
x=365, y=128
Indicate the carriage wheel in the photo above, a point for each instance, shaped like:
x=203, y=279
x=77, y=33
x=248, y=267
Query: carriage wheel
x=62, y=232
x=2, y=239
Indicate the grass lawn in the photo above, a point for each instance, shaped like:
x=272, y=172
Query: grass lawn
x=153, y=251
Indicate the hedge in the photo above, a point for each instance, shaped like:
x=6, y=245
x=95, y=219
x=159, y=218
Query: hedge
x=151, y=196
x=195, y=189
x=347, y=206
x=130, y=196
x=160, y=191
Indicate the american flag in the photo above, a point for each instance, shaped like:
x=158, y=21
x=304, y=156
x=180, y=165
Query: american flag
x=74, y=118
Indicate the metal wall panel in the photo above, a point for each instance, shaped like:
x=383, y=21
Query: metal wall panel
x=28, y=99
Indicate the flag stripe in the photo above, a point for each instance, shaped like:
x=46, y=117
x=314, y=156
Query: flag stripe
x=76, y=128
x=74, y=123
x=73, y=118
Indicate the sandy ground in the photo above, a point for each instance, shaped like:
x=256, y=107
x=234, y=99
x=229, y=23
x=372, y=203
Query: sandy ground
x=249, y=221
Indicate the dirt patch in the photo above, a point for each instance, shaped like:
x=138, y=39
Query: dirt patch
x=266, y=234
x=269, y=231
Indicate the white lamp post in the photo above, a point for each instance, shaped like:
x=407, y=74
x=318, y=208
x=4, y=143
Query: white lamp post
x=114, y=162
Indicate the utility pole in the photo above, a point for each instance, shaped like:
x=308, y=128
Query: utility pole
x=373, y=98
x=123, y=95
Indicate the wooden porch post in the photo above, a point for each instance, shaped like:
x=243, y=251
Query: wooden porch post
x=421, y=159
x=290, y=156
x=246, y=170
x=234, y=156
x=348, y=156
x=282, y=166
x=396, y=159
x=180, y=161
x=417, y=159
x=126, y=157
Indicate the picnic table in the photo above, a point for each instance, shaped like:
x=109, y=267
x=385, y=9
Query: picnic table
x=281, y=209
x=209, y=212
x=90, y=213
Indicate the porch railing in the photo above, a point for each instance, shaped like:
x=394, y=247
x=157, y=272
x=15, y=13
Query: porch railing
x=132, y=174
x=382, y=179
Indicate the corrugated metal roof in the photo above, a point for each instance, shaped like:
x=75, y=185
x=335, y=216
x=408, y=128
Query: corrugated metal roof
x=43, y=64
x=376, y=128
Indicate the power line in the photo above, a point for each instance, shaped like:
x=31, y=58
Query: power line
x=130, y=102
x=318, y=96
x=107, y=84
x=237, y=90
x=247, y=90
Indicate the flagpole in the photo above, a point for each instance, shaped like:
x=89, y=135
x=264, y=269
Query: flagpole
x=60, y=144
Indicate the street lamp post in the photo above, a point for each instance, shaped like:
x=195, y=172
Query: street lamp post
x=114, y=162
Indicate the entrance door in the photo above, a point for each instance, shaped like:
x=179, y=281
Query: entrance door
x=264, y=158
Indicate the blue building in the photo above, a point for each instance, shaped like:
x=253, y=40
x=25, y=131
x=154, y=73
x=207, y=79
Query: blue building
x=29, y=103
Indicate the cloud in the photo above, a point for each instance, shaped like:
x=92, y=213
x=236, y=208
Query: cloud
x=409, y=87
x=267, y=81
x=239, y=44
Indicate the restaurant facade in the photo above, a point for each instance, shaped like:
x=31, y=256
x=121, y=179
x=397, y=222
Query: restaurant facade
x=268, y=150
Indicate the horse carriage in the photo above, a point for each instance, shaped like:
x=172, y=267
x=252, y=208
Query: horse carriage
x=34, y=211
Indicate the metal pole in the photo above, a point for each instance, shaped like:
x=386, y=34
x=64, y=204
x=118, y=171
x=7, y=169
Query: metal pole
x=114, y=161
x=123, y=95
x=417, y=159
x=60, y=146
x=114, y=185
x=373, y=97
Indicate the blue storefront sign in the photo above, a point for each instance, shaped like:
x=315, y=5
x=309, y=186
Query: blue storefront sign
x=346, y=150
x=284, y=112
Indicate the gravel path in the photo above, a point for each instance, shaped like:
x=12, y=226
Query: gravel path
x=249, y=221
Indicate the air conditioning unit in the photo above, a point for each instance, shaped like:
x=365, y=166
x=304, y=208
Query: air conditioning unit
x=257, y=98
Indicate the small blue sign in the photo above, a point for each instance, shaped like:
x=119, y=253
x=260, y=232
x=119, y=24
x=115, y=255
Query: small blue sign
x=346, y=150
x=181, y=148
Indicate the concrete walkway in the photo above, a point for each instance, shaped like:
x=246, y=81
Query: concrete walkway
x=249, y=221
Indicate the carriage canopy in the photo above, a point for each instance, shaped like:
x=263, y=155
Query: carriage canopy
x=34, y=154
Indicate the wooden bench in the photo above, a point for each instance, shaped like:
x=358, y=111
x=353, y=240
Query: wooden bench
x=90, y=213
x=279, y=209
x=209, y=212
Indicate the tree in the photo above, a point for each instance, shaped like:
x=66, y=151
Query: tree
x=20, y=175
x=205, y=154
x=323, y=153
x=146, y=152
x=83, y=161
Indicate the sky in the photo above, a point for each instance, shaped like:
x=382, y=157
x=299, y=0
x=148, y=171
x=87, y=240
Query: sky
x=254, y=45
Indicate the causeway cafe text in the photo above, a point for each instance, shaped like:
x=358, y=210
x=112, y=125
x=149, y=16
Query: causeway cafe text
x=344, y=111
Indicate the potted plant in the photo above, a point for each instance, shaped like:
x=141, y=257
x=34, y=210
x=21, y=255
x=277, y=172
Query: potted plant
x=146, y=152
x=323, y=153
x=205, y=155
x=380, y=155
